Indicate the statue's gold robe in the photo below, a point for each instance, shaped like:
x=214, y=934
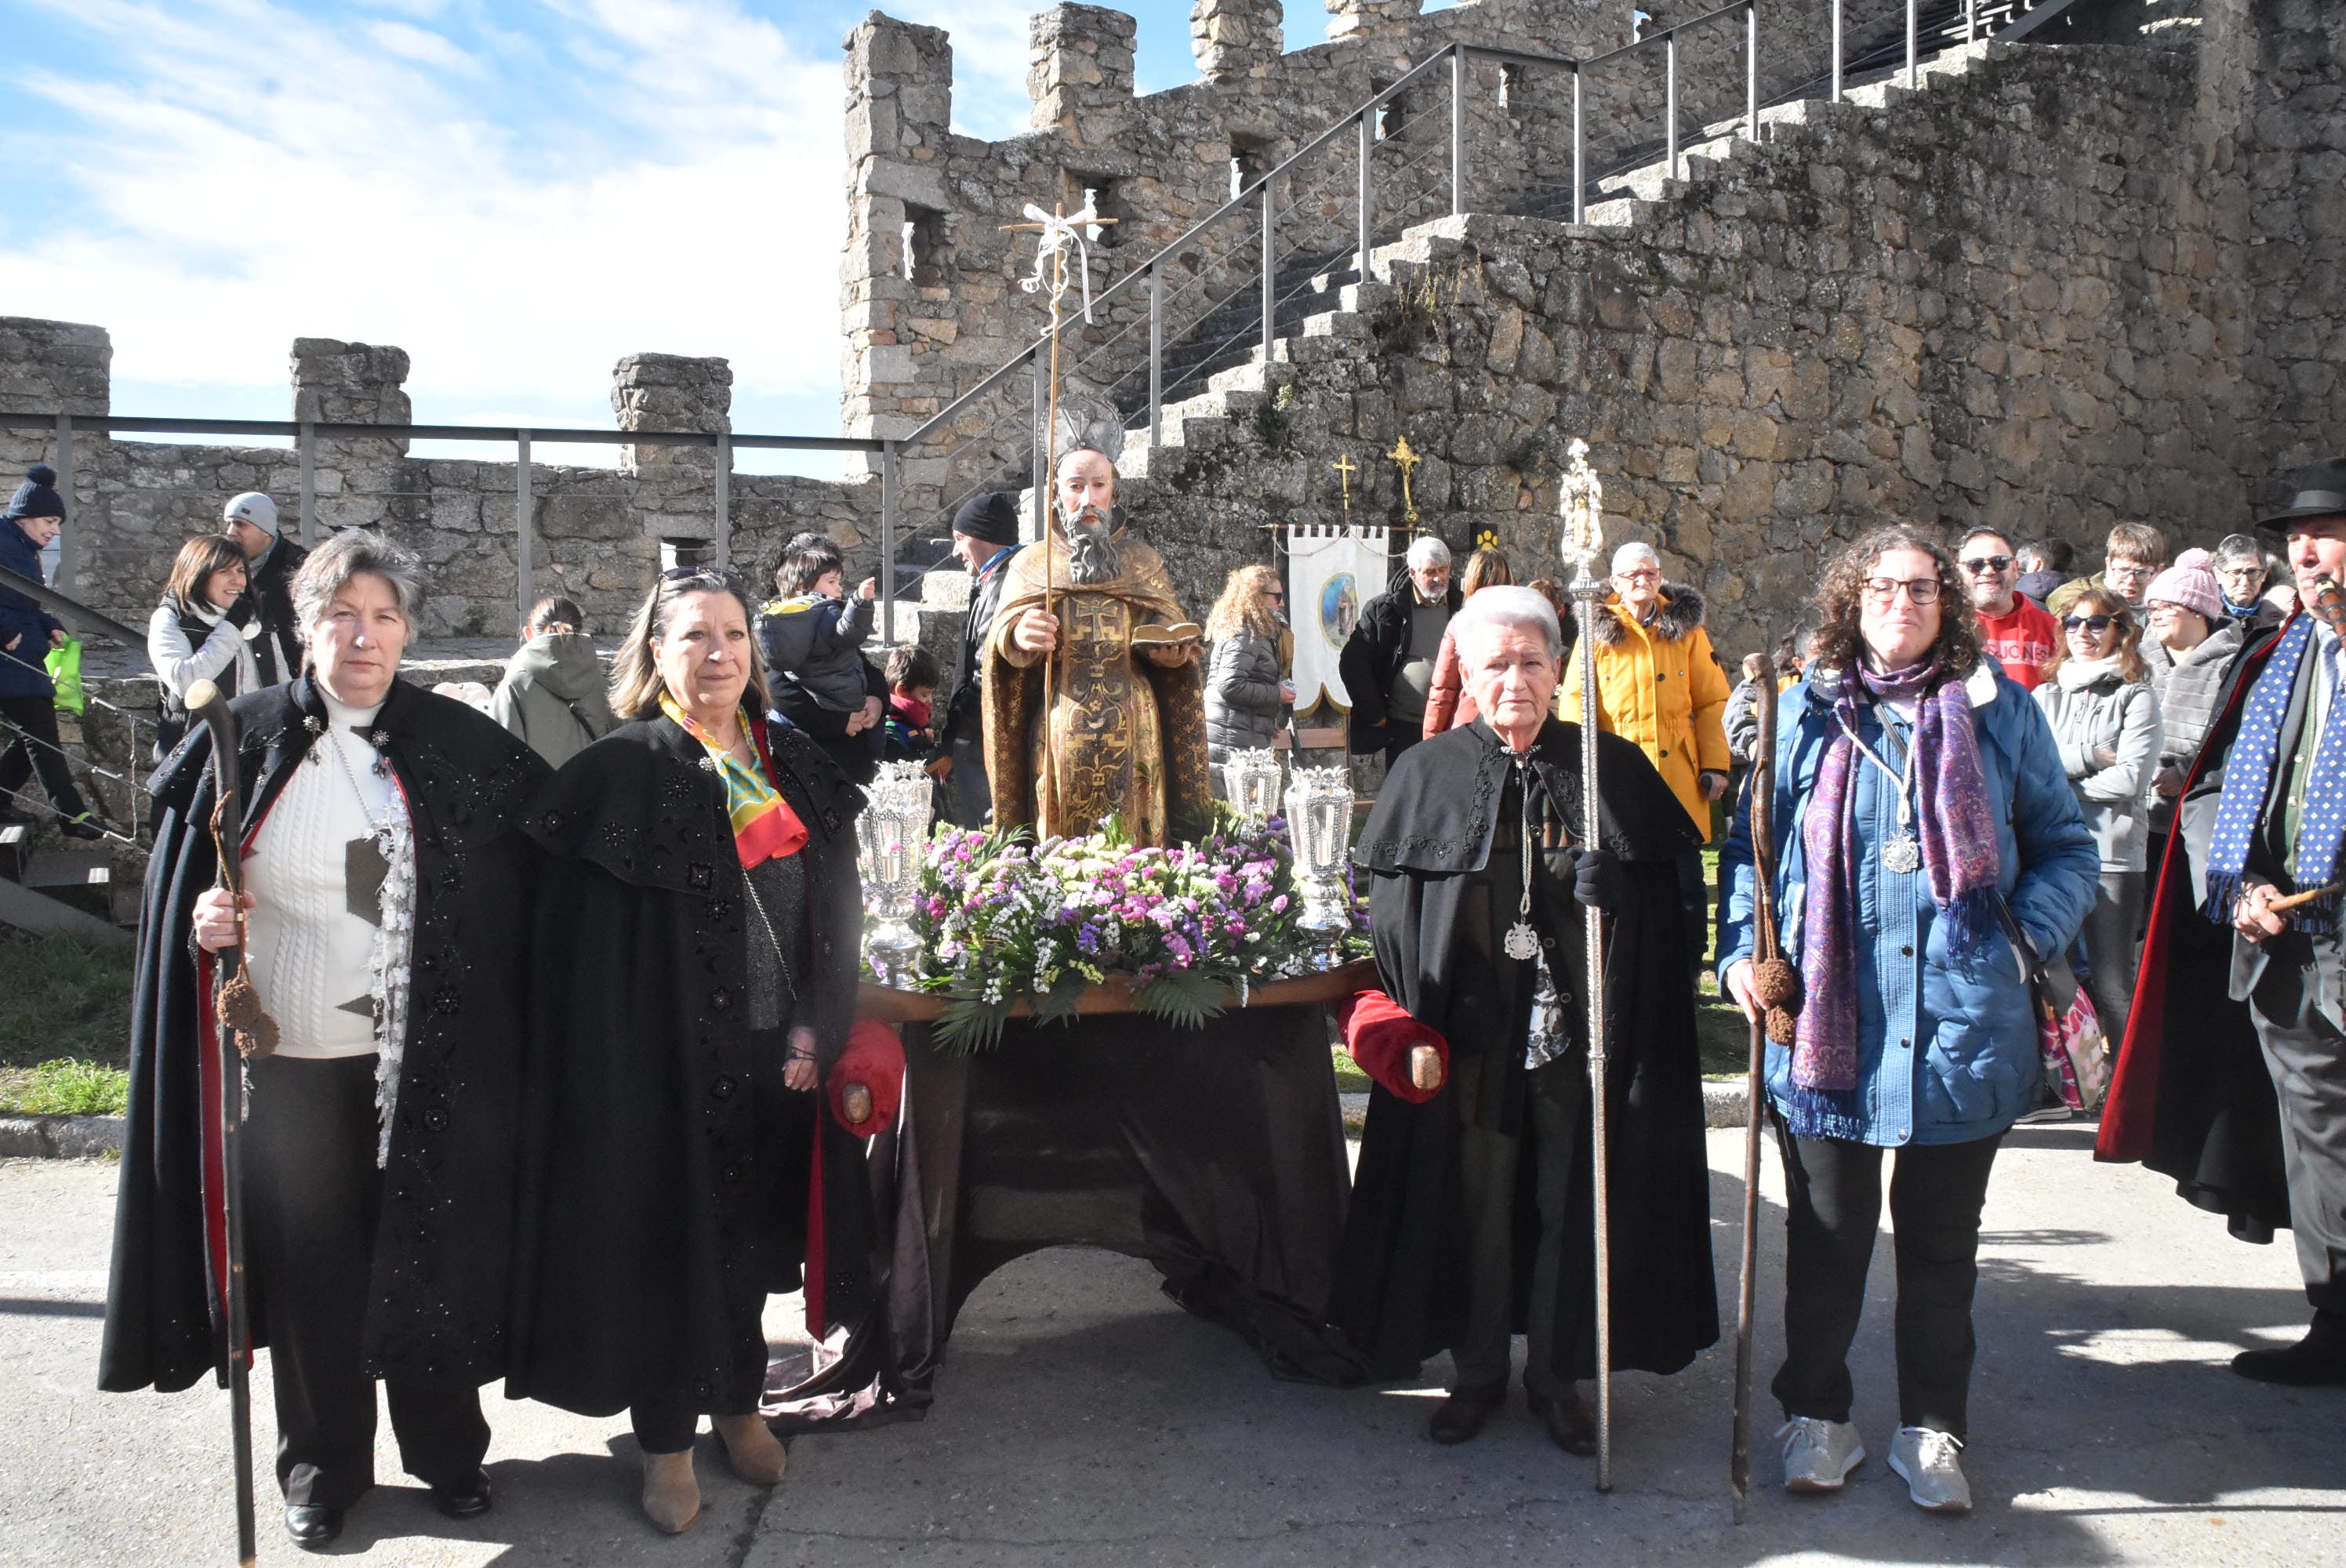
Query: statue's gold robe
x=1126, y=737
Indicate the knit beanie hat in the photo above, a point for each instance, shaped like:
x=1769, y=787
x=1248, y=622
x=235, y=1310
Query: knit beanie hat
x=37, y=496
x=990, y=516
x=2190, y=583
x=252, y=507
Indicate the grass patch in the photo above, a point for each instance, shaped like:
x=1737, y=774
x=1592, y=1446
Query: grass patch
x=65, y=999
x=1350, y=1079
x=64, y=1088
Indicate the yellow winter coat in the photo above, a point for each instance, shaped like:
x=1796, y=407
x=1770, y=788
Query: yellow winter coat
x=1661, y=687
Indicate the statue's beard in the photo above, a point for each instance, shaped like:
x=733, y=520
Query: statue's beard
x=1091, y=555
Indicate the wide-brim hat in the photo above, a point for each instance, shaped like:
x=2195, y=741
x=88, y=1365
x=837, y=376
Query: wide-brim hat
x=2321, y=491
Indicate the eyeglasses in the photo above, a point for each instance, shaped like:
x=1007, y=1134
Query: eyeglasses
x=2096, y=625
x=1980, y=564
x=2128, y=569
x=1642, y=575
x=1884, y=590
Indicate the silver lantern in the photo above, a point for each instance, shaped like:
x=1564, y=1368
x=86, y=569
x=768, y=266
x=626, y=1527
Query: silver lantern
x=893, y=830
x=1251, y=776
x=1319, y=824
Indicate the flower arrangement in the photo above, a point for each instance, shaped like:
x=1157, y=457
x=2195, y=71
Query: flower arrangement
x=1003, y=919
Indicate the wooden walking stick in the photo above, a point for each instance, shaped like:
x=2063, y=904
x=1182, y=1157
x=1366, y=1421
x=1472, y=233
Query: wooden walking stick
x=1769, y=977
x=243, y=1024
x=1582, y=503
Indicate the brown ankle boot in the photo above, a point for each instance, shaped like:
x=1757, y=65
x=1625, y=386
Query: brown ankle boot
x=671, y=1491
x=752, y=1450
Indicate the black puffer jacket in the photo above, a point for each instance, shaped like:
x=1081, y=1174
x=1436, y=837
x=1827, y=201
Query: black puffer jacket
x=1243, y=704
x=1375, y=653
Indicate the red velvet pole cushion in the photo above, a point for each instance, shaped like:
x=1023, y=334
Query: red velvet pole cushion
x=875, y=1058
x=1380, y=1036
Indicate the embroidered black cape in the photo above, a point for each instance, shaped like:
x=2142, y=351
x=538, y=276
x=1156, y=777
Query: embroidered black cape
x=650, y=1201
x=1426, y=847
x=436, y=1309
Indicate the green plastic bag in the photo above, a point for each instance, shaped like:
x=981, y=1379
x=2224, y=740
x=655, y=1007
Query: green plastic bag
x=65, y=668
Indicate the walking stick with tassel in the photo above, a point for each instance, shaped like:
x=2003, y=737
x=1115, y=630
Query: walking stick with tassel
x=1770, y=977
x=252, y=1032
x=1582, y=504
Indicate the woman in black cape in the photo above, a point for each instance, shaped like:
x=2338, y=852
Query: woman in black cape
x=693, y=974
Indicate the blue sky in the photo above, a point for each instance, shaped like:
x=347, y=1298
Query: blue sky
x=515, y=191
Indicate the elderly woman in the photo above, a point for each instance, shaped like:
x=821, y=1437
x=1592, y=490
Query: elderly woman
x=695, y=972
x=1247, y=689
x=383, y=928
x=203, y=630
x=1918, y=797
x=2098, y=696
x=2192, y=624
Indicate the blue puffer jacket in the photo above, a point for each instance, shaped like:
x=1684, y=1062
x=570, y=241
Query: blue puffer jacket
x=23, y=669
x=1946, y=1045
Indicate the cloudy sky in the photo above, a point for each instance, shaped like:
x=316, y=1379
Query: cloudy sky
x=515, y=191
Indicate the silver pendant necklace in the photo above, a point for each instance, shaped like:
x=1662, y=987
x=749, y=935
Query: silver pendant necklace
x=1522, y=943
x=1902, y=852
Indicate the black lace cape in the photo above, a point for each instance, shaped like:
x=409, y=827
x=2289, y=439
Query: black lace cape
x=436, y=1309
x=652, y=1210
x=1427, y=847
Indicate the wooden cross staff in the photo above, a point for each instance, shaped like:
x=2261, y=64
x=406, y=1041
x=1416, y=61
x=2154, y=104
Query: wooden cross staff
x=1058, y=231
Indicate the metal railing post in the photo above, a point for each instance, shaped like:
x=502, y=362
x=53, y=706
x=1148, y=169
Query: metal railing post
x=1913, y=56
x=888, y=543
x=724, y=498
x=1670, y=93
x=524, y=575
x=1457, y=130
x=1155, y=356
x=1836, y=51
x=307, y=444
x=1042, y=421
x=1270, y=266
x=1368, y=138
x=1751, y=68
x=1579, y=149
x=68, y=540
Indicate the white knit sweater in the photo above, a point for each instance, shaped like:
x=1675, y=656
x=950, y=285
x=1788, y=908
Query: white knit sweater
x=310, y=948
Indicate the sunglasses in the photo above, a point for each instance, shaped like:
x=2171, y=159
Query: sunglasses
x=1980, y=564
x=2096, y=625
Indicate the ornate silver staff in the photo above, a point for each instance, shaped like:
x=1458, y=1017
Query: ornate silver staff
x=1582, y=504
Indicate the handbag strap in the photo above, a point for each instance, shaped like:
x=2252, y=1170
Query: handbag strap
x=2056, y=985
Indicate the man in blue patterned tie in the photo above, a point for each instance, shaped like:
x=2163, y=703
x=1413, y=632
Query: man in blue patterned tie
x=2264, y=818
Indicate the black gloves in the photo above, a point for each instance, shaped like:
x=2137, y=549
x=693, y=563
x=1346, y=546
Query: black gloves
x=1597, y=880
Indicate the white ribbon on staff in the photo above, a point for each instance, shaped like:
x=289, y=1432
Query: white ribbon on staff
x=1058, y=236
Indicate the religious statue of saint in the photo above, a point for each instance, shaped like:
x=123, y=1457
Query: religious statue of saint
x=1119, y=729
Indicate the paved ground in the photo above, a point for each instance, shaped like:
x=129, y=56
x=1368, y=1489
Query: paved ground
x=1082, y=1420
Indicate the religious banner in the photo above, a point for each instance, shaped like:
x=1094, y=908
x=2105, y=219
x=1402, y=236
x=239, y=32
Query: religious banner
x=1332, y=572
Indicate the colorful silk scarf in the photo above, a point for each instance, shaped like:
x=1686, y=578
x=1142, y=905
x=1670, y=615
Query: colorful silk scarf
x=764, y=826
x=2248, y=780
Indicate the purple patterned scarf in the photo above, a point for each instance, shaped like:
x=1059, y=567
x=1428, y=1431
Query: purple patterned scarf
x=1956, y=827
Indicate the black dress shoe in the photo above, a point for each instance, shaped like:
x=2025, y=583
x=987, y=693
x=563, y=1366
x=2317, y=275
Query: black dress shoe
x=1461, y=1415
x=2318, y=1360
x=468, y=1498
x=1568, y=1423
x=313, y=1529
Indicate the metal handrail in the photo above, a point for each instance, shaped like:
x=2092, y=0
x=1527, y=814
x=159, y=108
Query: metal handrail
x=107, y=423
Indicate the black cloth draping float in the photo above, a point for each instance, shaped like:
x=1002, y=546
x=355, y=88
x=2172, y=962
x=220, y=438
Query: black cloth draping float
x=1216, y=1154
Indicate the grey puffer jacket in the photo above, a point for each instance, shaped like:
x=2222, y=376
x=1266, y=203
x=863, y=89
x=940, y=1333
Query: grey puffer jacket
x=1243, y=706
x=553, y=696
x=2088, y=711
x=2187, y=684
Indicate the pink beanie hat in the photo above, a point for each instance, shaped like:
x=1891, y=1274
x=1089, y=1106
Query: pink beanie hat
x=2190, y=583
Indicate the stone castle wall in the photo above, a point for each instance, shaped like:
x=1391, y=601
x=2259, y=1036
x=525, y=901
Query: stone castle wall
x=599, y=533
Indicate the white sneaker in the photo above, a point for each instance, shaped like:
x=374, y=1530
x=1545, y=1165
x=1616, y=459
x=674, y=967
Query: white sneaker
x=1926, y=1459
x=1818, y=1454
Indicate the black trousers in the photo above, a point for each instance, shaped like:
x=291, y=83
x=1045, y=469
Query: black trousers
x=2306, y=1055
x=43, y=754
x=1834, y=1206
x=1489, y=1166
x=312, y=1200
